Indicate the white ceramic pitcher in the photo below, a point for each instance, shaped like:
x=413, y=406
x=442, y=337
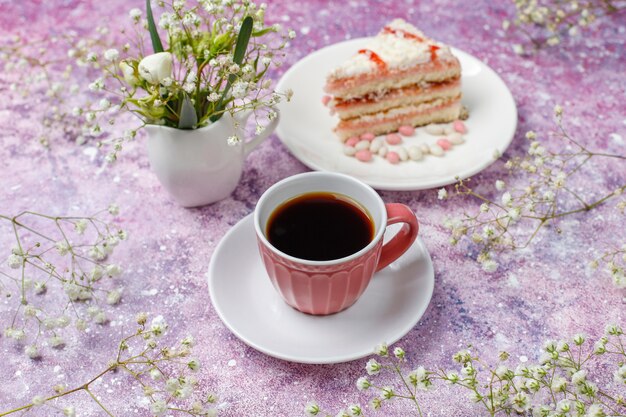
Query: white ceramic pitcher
x=199, y=167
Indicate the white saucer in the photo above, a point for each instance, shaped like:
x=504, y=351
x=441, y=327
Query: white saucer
x=247, y=303
x=306, y=125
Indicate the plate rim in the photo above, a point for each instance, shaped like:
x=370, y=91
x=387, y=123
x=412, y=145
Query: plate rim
x=310, y=360
x=385, y=185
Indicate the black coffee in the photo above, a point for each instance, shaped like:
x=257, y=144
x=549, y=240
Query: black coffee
x=320, y=226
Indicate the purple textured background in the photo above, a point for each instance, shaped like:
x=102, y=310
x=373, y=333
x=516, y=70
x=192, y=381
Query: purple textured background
x=542, y=293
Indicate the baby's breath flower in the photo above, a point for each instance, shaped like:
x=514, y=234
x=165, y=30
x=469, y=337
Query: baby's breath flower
x=111, y=55
x=419, y=378
x=387, y=393
x=113, y=297
x=193, y=364
x=32, y=351
x=113, y=270
x=442, y=194
x=100, y=317
x=376, y=403
x=579, y=377
x=141, y=318
x=475, y=396
x=595, y=410
x=114, y=209
x=382, y=350
x=564, y=405
x=353, y=411
x=579, y=339
x=548, y=196
x=558, y=110
x=620, y=375
x=373, y=367
x=155, y=374
x=559, y=384
x=507, y=199
x=452, y=377
x=158, y=326
x=135, y=14
x=399, y=353
x=233, y=140
x=80, y=226
x=158, y=408
x=38, y=400
x=363, y=383
x=312, y=409
x=613, y=330
x=521, y=402
x=16, y=334
x=15, y=261
x=63, y=247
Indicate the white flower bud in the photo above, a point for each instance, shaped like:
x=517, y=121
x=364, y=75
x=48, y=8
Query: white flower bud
x=373, y=367
x=14, y=261
x=111, y=55
x=38, y=400
x=156, y=67
x=113, y=297
x=381, y=350
x=442, y=194
x=31, y=351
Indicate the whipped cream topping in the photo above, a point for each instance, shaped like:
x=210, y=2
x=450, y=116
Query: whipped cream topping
x=400, y=45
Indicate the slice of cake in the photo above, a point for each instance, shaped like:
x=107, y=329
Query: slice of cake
x=400, y=78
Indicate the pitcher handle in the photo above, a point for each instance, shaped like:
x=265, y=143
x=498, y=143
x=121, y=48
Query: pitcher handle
x=269, y=129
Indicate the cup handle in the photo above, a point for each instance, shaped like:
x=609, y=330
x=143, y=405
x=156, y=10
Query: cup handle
x=269, y=129
x=392, y=250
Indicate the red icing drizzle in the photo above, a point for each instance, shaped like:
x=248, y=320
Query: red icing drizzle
x=408, y=35
x=433, y=52
x=373, y=56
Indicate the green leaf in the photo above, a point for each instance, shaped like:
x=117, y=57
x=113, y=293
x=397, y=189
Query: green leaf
x=188, y=118
x=262, y=32
x=154, y=35
x=240, y=52
x=243, y=39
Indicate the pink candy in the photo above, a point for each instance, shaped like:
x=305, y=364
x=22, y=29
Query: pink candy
x=326, y=100
x=393, y=139
x=406, y=130
x=364, y=155
x=368, y=136
x=352, y=141
x=445, y=144
x=393, y=157
x=459, y=126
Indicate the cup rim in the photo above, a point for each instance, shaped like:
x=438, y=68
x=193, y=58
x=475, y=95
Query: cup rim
x=339, y=261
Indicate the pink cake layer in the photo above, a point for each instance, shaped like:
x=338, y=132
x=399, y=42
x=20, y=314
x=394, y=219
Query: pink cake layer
x=436, y=71
x=399, y=97
x=437, y=111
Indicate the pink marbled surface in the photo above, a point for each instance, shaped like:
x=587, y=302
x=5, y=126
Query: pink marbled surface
x=542, y=293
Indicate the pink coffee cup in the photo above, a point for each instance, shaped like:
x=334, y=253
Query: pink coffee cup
x=327, y=287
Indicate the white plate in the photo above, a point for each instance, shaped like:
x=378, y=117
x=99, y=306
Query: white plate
x=247, y=303
x=306, y=125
